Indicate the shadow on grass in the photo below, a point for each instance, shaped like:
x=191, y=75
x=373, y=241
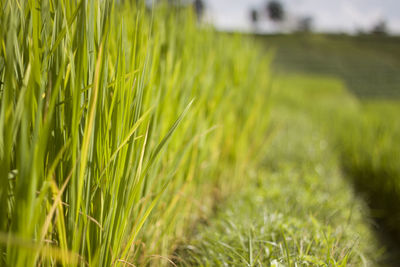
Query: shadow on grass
x=383, y=202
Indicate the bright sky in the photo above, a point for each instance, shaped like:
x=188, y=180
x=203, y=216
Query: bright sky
x=328, y=15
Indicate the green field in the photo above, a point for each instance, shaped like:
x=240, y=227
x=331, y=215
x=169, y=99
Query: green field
x=130, y=136
x=328, y=190
x=366, y=139
x=297, y=209
x=369, y=65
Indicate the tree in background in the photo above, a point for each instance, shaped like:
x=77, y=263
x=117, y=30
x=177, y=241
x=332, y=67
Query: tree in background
x=199, y=9
x=254, y=17
x=380, y=28
x=305, y=24
x=275, y=11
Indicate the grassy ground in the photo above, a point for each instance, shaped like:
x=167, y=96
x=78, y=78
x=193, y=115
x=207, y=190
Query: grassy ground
x=367, y=139
x=298, y=208
x=365, y=135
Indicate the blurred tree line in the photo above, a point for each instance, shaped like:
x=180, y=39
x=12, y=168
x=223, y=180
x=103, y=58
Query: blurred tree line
x=275, y=12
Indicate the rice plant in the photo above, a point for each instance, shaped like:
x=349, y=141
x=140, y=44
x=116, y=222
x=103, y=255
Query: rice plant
x=120, y=125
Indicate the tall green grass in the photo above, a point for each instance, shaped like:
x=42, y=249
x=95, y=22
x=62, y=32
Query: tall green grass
x=119, y=127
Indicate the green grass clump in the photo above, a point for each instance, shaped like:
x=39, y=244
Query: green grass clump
x=119, y=127
x=297, y=209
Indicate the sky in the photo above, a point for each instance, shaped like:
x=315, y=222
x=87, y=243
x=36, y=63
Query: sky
x=328, y=15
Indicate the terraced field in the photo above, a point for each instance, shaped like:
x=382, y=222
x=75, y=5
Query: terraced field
x=369, y=65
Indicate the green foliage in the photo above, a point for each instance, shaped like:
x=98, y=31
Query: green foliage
x=297, y=209
x=370, y=152
x=365, y=137
x=118, y=125
x=366, y=132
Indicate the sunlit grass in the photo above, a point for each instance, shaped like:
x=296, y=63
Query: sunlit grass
x=119, y=127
